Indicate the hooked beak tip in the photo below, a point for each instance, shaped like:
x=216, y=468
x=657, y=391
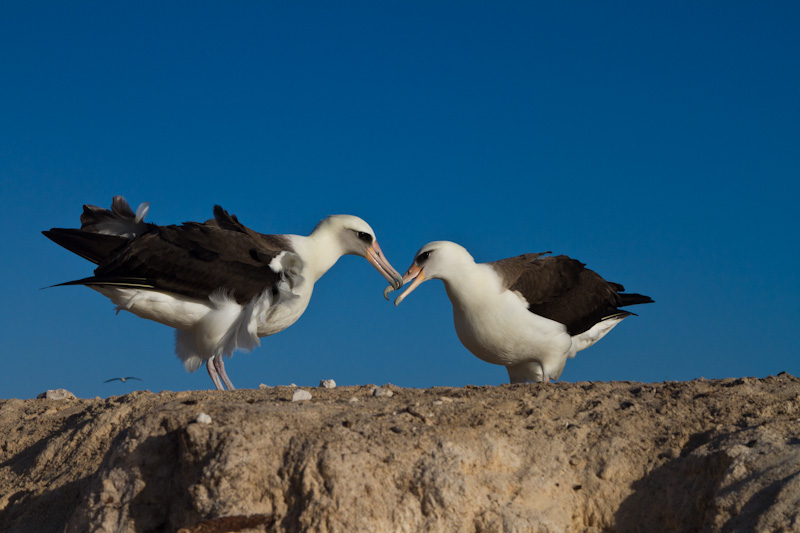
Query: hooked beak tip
x=387, y=290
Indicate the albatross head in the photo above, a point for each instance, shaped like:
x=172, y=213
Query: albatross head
x=353, y=236
x=435, y=260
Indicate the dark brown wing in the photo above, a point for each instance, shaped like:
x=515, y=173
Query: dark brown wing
x=564, y=290
x=512, y=268
x=93, y=247
x=193, y=259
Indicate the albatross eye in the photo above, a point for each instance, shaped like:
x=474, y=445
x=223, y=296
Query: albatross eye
x=365, y=237
x=421, y=258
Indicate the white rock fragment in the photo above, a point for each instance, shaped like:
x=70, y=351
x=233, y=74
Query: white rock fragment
x=380, y=392
x=327, y=383
x=264, y=386
x=203, y=418
x=301, y=395
x=353, y=400
x=57, y=394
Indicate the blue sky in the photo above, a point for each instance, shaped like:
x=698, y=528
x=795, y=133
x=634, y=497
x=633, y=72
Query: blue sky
x=659, y=143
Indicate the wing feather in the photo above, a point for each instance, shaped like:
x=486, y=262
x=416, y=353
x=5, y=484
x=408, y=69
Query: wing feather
x=193, y=259
x=563, y=289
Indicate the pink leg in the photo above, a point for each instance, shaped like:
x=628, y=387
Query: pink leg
x=220, y=366
x=212, y=371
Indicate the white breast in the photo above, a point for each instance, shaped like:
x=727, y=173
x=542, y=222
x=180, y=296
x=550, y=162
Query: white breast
x=286, y=311
x=494, y=324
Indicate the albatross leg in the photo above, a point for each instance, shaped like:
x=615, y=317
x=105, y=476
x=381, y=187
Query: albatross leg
x=220, y=367
x=527, y=372
x=545, y=376
x=212, y=371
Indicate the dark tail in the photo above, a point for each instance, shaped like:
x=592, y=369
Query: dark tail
x=634, y=299
x=91, y=246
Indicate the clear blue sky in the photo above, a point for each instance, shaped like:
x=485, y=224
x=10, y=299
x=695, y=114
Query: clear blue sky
x=657, y=142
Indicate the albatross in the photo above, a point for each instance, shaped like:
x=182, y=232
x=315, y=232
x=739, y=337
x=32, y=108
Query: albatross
x=529, y=313
x=220, y=284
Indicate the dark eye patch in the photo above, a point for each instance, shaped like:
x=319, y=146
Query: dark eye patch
x=364, y=236
x=421, y=258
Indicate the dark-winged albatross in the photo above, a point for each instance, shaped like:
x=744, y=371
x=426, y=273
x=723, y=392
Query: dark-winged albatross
x=220, y=284
x=528, y=313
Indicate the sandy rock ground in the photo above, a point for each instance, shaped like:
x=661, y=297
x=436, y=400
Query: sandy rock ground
x=682, y=456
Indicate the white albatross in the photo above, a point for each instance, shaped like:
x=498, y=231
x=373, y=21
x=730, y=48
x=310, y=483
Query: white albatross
x=528, y=313
x=220, y=284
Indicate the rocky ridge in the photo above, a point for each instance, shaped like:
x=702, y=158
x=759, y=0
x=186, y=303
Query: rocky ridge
x=703, y=455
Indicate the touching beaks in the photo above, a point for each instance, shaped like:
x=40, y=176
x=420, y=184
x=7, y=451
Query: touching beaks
x=378, y=260
x=415, y=273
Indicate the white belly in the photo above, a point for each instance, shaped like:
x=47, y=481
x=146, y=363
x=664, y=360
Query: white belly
x=215, y=326
x=181, y=312
x=502, y=331
x=173, y=310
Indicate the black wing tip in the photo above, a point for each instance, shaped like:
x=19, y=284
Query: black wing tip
x=229, y=221
x=221, y=215
x=54, y=233
x=634, y=299
x=133, y=283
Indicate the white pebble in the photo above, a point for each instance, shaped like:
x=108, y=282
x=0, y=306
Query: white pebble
x=203, y=418
x=301, y=395
x=264, y=386
x=327, y=383
x=380, y=392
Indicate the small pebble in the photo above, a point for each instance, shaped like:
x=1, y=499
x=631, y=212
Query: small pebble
x=301, y=395
x=57, y=394
x=264, y=386
x=327, y=383
x=203, y=418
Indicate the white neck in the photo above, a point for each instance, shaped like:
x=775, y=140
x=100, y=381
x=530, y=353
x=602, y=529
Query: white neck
x=319, y=251
x=468, y=284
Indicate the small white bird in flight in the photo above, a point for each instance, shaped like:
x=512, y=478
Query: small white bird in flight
x=220, y=284
x=528, y=313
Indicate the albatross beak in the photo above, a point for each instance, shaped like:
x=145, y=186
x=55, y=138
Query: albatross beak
x=376, y=258
x=415, y=273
